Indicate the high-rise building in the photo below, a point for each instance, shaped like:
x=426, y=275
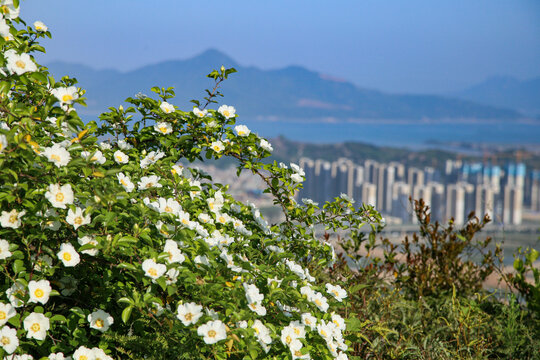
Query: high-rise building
x=401, y=207
x=415, y=176
x=455, y=203
x=437, y=201
x=535, y=191
x=512, y=205
x=484, y=201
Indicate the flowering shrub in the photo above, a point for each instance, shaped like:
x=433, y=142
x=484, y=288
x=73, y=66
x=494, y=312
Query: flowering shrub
x=111, y=248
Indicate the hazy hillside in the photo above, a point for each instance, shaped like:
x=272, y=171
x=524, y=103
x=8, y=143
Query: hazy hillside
x=292, y=93
x=509, y=92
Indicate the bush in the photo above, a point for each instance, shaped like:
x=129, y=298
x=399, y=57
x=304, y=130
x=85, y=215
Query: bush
x=112, y=249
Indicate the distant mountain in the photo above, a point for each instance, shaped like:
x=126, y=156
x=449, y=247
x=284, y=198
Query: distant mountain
x=292, y=93
x=508, y=92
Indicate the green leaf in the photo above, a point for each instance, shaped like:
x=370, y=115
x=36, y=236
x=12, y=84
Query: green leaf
x=126, y=314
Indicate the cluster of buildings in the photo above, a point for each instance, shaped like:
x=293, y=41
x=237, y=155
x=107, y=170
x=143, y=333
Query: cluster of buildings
x=452, y=192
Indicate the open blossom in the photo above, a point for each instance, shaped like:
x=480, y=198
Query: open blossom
x=19, y=64
x=163, y=128
x=125, y=181
x=297, y=178
x=66, y=95
x=88, y=240
x=83, y=353
x=100, y=320
x=189, y=313
x=39, y=291
x=200, y=113
x=124, y=145
x=227, y=111
x=68, y=255
x=95, y=157
x=56, y=356
x=11, y=219
x=77, y=218
x=175, y=255
x=4, y=251
x=151, y=158
x=60, y=196
x=148, y=182
x=152, y=269
x=169, y=206
x=9, y=10
x=309, y=320
x=242, y=130
x=217, y=146
x=37, y=325
x=336, y=291
x=8, y=340
x=57, y=154
x=166, y=107
x=212, y=331
x=40, y=26
x=7, y=311
x=120, y=157
x=262, y=333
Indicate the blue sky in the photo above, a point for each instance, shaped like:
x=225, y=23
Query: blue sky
x=414, y=46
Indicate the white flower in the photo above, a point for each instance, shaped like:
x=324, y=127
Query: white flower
x=320, y=301
x=66, y=95
x=7, y=311
x=83, y=353
x=227, y=111
x=120, y=157
x=175, y=255
x=96, y=157
x=205, y=218
x=266, y=145
x=163, y=128
x=5, y=34
x=151, y=158
x=9, y=10
x=296, y=178
x=262, y=333
x=39, y=291
x=9, y=340
x=166, y=107
x=60, y=196
x=3, y=142
x=37, y=325
x=201, y=260
x=152, y=269
x=168, y=206
x=326, y=330
x=200, y=113
x=342, y=356
x=68, y=255
x=57, y=154
x=164, y=229
x=242, y=130
x=100, y=320
x=346, y=198
x=212, y=331
x=338, y=321
x=89, y=240
x=19, y=64
x=105, y=146
x=297, y=169
x=51, y=224
x=217, y=146
x=125, y=181
x=4, y=251
x=222, y=218
x=124, y=145
x=189, y=313
x=15, y=293
x=256, y=307
x=177, y=170
x=11, y=219
x=77, y=218
x=336, y=291
x=171, y=276
x=148, y=182
x=40, y=26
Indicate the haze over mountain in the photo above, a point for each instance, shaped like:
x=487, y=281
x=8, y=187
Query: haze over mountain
x=506, y=91
x=291, y=93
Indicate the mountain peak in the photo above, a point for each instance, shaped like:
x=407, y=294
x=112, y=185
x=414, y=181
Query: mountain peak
x=216, y=57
